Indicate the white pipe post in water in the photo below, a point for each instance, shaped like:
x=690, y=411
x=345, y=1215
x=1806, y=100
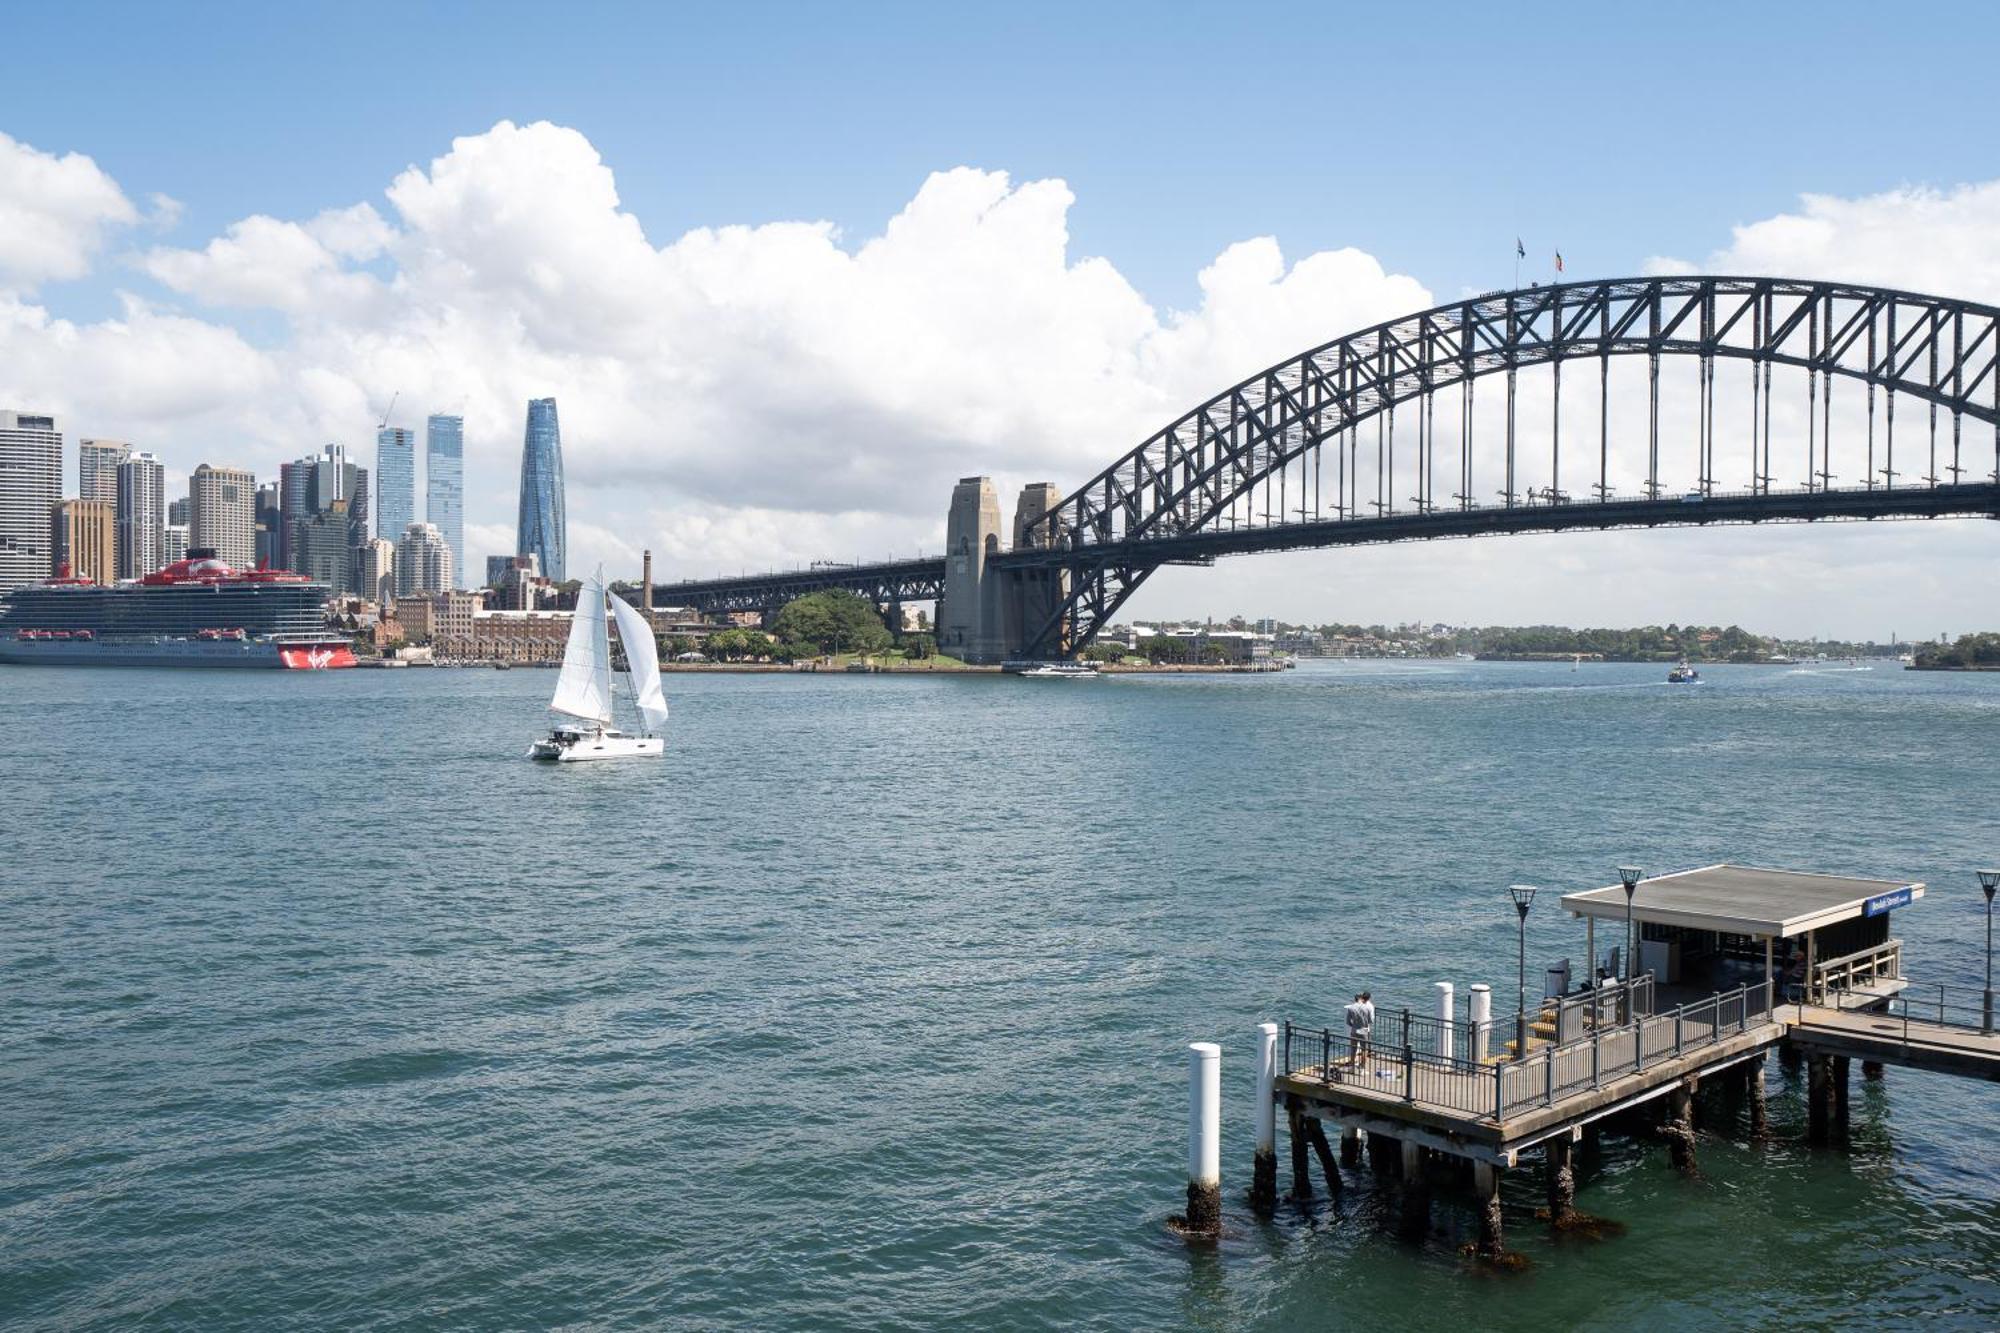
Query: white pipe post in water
x=1264, y=1174
x=1446, y=1046
x=1204, y=1191
x=1482, y=1019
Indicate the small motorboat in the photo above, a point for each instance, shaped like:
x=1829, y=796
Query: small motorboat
x=1683, y=674
x=1059, y=671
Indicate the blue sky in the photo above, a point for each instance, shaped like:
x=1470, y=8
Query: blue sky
x=435, y=187
x=1428, y=136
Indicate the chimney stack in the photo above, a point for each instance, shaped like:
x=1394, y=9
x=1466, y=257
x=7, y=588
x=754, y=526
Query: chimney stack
x=646, y=586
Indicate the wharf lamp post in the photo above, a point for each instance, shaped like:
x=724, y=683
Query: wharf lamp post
x=1629, y=877
x=1989, y=880
x=1523, y=894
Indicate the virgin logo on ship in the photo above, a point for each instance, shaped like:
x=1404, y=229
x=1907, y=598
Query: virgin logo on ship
x=317, y=659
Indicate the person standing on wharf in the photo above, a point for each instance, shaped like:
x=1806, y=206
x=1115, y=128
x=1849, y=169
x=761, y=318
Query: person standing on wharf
x=1360, y=1023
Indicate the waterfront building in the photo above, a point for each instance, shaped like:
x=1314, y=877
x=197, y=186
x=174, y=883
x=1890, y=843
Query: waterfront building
x=222, y=514
x=418, y=617
x=97, y=469
x=174, y=544
x=295, y=482
x=444, y=486
x=142, y=516
x=308, y=490
x=423, y=561
x=543, y=529
x=520, y=585
x=378, y=571
x=270, y=526
x=84, y=539
x=30, y=485
x=395, y=481
x=515, y=636
x=180, y=511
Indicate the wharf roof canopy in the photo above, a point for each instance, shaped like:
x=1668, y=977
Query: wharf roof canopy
x=1742, y=900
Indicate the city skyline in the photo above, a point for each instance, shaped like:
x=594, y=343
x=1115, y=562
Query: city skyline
x=763, y=370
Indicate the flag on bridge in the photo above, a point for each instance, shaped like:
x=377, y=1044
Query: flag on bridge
x=1559, y=261
x=1520, y=250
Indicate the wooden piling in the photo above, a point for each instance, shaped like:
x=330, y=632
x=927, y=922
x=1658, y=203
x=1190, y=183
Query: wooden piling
x=1264, y=1161
x=1819, y=1099
x=1839, y=1073
x=1302, y=1185
x=1558, y=1161
x=1350, y=1147
x=1678, y=1130
x=1316, y=1135
x=1486, y=1194
x=1760, y=1123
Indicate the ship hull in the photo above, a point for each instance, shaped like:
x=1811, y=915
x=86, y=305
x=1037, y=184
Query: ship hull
x=248, y=655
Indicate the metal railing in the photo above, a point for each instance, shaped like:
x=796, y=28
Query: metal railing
x=1961, y=1007
x=1880, y=962
x=1498, y=1088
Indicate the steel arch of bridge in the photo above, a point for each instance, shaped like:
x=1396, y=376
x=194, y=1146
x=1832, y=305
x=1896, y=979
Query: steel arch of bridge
x=1180, y=483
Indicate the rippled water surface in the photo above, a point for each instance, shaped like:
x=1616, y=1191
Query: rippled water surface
x=866, y=1008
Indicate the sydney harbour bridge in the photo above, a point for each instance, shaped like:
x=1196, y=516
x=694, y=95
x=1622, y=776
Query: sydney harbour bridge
x=1780, y=399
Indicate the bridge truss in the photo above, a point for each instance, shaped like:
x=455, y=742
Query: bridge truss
x=1280, y=459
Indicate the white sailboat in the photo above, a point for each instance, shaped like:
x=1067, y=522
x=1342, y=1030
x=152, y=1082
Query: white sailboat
x=583, y=690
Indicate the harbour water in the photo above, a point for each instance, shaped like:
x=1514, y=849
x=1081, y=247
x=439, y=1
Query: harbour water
x=866, y=1008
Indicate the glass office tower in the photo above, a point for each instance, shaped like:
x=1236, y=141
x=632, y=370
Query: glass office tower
x=444, y=487
x=543, y=531
x=395, y=481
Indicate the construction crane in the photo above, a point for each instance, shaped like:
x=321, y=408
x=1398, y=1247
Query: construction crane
x=383, y=424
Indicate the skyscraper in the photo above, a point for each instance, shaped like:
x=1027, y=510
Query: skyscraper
x=174, y=545
x=395, y=481
x=307, y=492
x=378, y=571
x=85, y=540
x=30, y=485
x=142, y=516
x=97, y=469
x=444, y=486
x=222, y=515
x=543, y=531
x=270, y=527
x=423, y=562
x=180, y=510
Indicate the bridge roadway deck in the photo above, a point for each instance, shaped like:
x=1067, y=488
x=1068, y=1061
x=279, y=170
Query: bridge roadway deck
x=1372, y=1097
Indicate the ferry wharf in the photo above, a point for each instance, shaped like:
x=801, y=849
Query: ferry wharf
x=1716, y=967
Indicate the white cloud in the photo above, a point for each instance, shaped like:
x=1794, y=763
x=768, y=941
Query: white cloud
x=747, y=396
x=54, y=212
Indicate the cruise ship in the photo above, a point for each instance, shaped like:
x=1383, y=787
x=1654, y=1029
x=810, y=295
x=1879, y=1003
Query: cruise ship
x=196, y=612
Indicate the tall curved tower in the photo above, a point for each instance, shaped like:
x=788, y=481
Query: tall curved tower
x=543, y=531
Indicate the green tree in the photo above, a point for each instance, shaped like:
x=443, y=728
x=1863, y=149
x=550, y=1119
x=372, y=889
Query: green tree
x=834, y=620
x=917, y=647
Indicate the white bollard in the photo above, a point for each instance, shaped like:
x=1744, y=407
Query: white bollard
x=1264, y=1108
x=1445, y=1043
x=1482, y=1019
x=1204, y=1211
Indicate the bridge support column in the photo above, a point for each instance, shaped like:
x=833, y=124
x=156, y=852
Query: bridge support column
x=1678, y=1130
x=967, y=624
x=1559, y=1163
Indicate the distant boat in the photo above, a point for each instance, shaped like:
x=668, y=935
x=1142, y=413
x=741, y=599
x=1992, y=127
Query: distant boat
x=1683, y=674
x=1060, y=671
x=583, y=690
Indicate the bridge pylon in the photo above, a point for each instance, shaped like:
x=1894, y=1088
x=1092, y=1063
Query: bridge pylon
x=988, y=612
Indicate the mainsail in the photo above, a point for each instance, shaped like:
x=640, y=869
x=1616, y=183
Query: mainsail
x=643, y=661
x=584, y=688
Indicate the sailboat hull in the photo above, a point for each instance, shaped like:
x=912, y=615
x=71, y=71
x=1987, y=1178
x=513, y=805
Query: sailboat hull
x=587, y=747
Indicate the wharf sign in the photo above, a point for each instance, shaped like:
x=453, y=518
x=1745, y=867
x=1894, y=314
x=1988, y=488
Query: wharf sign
x=1884, y=902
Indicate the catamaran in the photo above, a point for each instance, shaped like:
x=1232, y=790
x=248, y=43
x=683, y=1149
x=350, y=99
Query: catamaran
x=583, y=690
